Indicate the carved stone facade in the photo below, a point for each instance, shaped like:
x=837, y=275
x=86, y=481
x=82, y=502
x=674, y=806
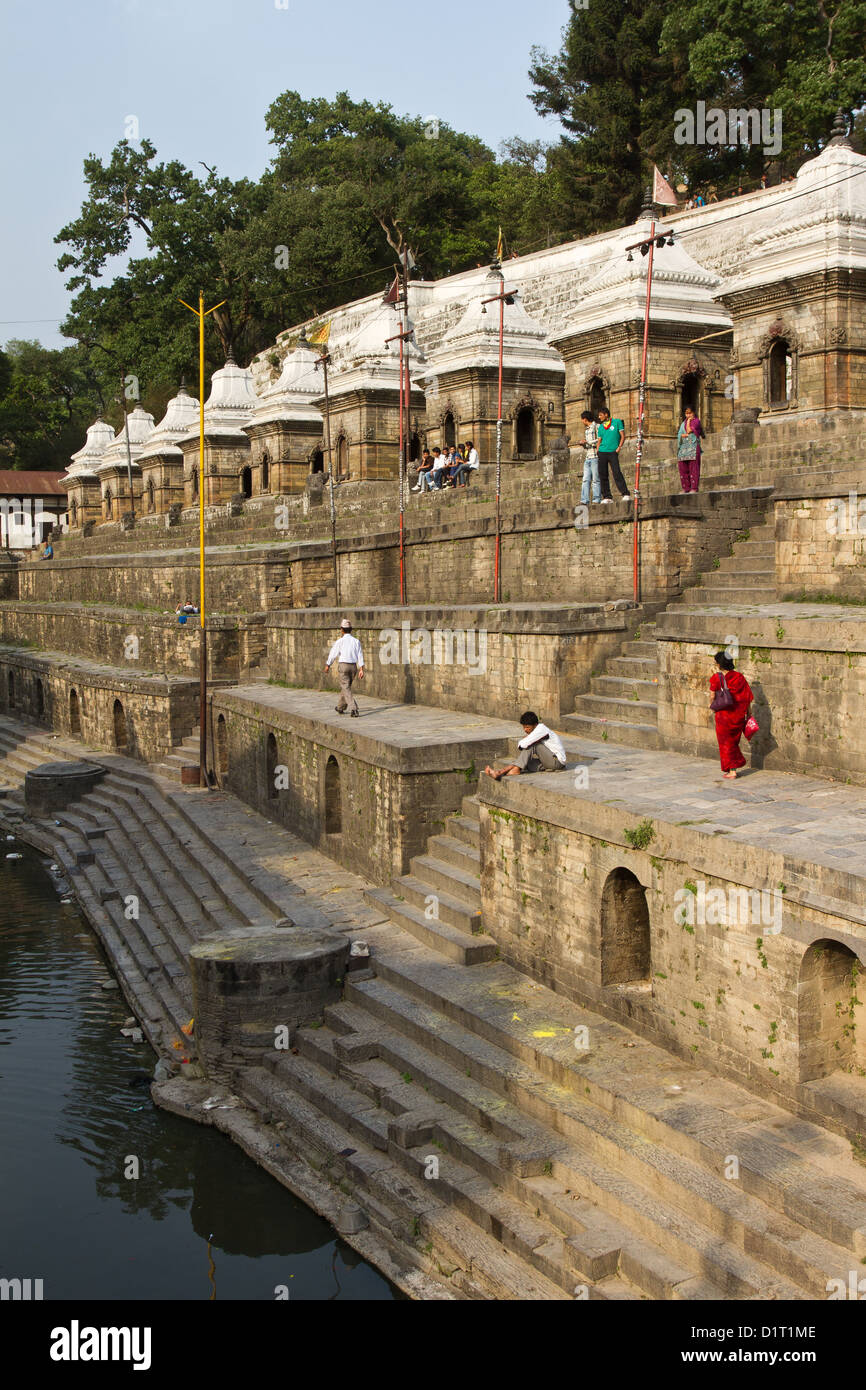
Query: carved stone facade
x=228, y=410
x=286, y=431
x=161, y=459
x=799, y=304
x=462, y=381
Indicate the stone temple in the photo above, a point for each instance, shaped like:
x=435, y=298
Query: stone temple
x=594, y=1034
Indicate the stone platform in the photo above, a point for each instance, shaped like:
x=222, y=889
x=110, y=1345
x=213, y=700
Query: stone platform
x=370, y=791
x=724, y=920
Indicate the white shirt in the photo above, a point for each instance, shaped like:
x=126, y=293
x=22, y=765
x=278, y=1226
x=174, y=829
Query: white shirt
x=440, y=463
x=472, y=461
x=554, y=742
x=347, y=649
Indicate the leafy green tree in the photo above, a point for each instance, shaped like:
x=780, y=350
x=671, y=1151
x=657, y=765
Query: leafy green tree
x=409, y=180
x=49, y=398
x=614, y=93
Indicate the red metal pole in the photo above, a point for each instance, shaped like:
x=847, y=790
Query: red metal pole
x=497, y=568
x=640, y=415
x=402, y=501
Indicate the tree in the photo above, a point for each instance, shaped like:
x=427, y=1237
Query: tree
x=614, y=94
x=410, y=180
x=180, y=222
x=49, y=398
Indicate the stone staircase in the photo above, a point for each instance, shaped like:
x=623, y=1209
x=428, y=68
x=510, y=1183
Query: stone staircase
x=183, y=758
x=561, y=1165
x=452, y=1104
x=146, y=875
x=747, y=576
x=439, y=901
x=622, y=703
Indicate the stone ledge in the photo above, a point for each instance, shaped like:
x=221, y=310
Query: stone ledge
x=404, y=739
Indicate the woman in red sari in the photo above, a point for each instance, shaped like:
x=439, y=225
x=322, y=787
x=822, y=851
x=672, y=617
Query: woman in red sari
x=730, y=723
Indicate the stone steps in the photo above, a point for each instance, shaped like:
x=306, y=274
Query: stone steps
x=439, y=900
x=572, y=1185
x=560, y=1206
x=621, y=705
x=184, y=755
x=161, y=998
x=398, y=1201
x=785, y=1216
x=474, y=1174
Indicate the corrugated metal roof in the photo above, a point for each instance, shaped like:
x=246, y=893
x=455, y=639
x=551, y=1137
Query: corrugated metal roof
x=19, y=482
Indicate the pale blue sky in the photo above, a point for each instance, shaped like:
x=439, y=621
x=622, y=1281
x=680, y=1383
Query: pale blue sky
x=200, y=75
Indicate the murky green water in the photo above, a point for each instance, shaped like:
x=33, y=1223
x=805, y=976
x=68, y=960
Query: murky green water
x=201, y=1220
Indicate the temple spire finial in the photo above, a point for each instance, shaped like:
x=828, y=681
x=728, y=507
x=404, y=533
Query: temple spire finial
x=839, y=131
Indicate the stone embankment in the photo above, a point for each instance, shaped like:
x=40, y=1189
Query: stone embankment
x=439, y=1113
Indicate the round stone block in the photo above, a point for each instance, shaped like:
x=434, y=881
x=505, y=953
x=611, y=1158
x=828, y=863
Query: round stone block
x=52, y=786
x=251, y=991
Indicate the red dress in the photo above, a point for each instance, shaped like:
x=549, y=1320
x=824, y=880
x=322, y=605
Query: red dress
x=730, y=723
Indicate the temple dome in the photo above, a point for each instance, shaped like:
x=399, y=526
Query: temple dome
x=474, y=340
x=232, y=389
x=140, y=424
x=180, y=417
x=820, y=223
x=99, y=436
x=682, y=290
x=290, y=397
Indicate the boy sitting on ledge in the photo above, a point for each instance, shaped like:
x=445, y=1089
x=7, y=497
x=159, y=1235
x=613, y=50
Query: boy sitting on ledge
x=540, y=751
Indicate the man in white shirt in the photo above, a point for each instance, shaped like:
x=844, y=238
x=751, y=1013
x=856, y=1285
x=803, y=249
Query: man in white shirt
x=348, y=653
x=461, y=476
x=541, y=750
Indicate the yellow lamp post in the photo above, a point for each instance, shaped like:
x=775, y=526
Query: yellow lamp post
x=201, y=315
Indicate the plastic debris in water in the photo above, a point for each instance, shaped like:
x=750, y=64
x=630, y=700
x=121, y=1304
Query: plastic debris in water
x=10, y=837
x=15, y=856
x=187, y=1028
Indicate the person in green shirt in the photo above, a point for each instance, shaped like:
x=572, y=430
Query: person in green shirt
x=611, y=434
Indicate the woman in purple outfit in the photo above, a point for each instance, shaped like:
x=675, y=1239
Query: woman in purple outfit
x=689, y=438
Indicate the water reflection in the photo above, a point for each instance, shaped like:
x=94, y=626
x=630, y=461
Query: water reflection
x=201, y=1220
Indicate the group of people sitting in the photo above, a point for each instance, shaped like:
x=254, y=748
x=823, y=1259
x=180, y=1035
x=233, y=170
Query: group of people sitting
x=448, y=467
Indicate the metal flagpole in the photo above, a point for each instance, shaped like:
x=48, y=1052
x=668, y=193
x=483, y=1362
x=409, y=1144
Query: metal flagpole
x=126, y=432
x=401, y=337
x=502, y=298
x=202, y=703
x=646, y=247
x=323, y=362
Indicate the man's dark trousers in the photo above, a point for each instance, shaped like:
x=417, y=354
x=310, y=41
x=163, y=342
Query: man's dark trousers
x=610, y=461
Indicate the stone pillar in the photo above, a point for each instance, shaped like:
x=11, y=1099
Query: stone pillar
x=247, y=987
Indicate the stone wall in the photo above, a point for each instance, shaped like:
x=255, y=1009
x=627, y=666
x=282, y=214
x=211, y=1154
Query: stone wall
x=155, y=713
x=495, y=662
x=821, y=544
x=144, y=643
x=386, y=799
x=546, y=557
x=550, y=553
x=807, y=670
x=238, y=581
x=636, y=935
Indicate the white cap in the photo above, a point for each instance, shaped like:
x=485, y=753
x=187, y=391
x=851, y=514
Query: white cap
x=345, y=624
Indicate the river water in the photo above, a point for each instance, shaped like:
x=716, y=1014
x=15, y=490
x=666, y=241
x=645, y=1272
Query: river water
x=201, y=1221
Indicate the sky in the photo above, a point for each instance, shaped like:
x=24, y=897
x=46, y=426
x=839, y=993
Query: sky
x=199, y=76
